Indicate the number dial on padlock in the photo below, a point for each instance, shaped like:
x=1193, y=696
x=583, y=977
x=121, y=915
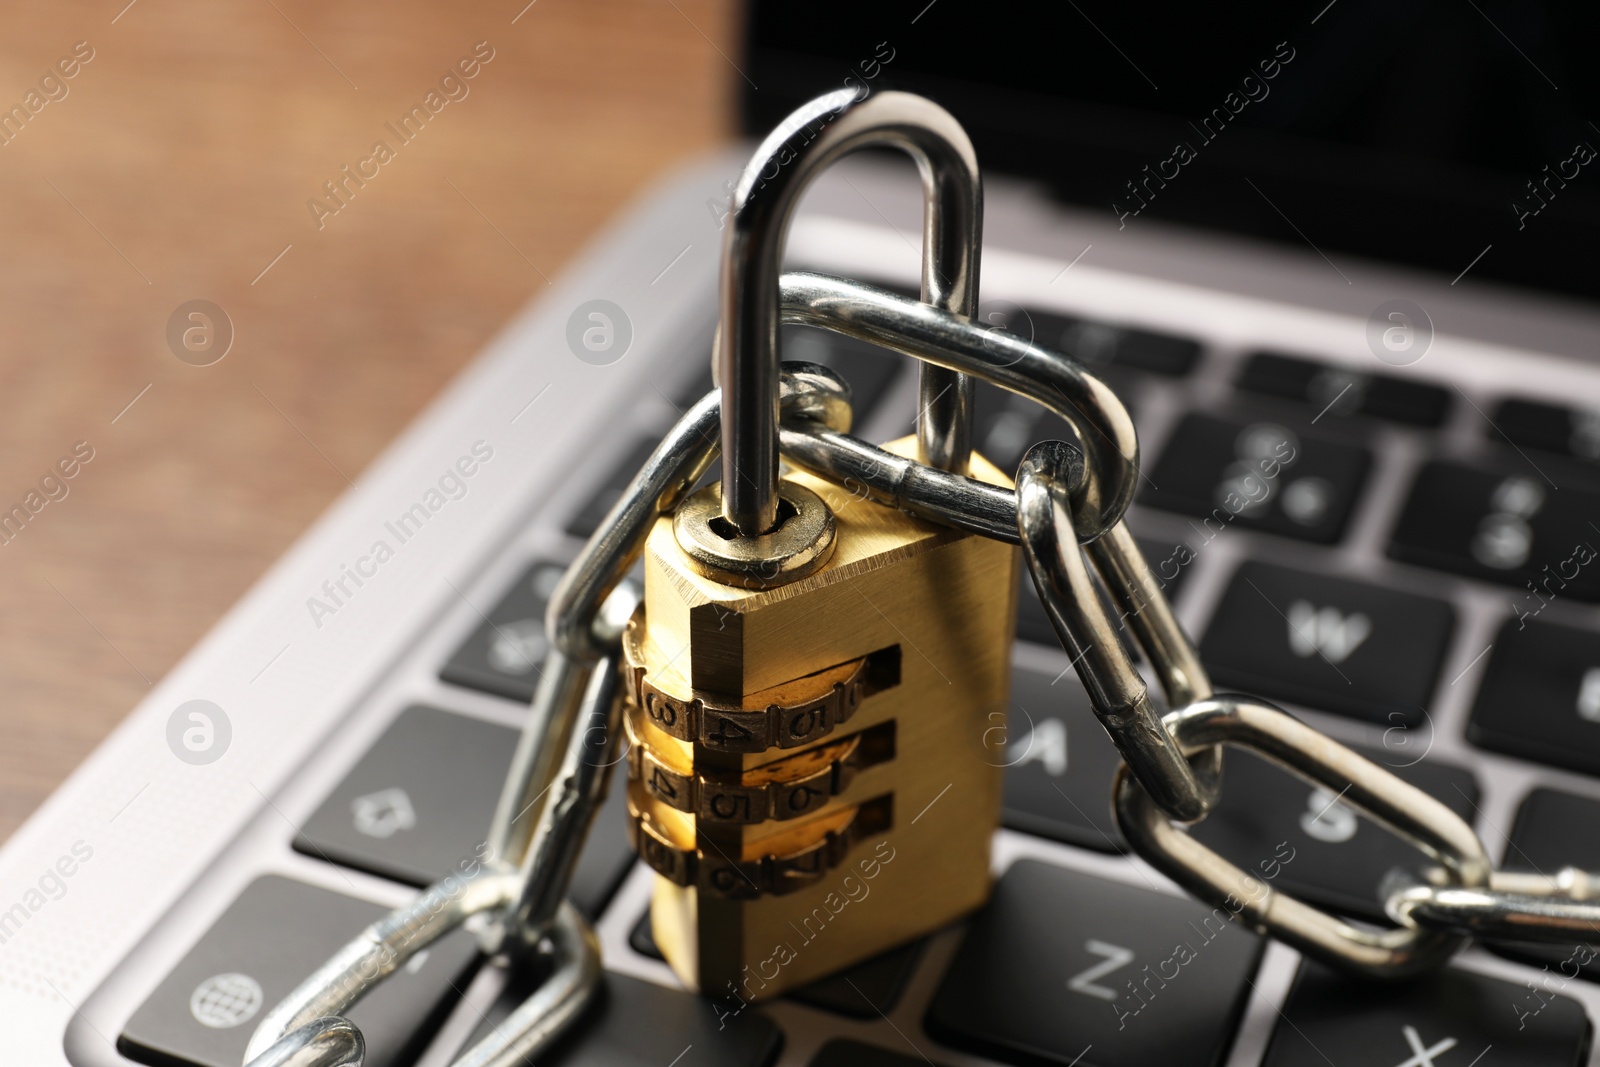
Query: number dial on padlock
x=785, y=789
x=794, y=713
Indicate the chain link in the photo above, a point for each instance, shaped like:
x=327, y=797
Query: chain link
x=1557, y=908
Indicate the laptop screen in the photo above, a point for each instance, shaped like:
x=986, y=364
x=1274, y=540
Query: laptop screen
x=1435, y=134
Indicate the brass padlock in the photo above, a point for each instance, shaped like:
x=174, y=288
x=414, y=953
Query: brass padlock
x=812, y=670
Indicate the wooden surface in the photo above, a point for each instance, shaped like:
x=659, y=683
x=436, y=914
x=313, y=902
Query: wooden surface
x=176, y=167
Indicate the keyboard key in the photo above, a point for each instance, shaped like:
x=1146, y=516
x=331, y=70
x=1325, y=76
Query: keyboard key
x=643, y=940
x=1059, y=763
x=1166, y=559
x=1540, y=697
x=1554, y=830
x=1339, y=393
x=504, y=654
x=1447, y=1019
x=1259, y=475
x=1311, y=844
x=588, y=520
x=1169, y=562
x=841, y=1052
x=1329, y=643
x=419, y=803
x=1064, y=968
x=1566, y=431
x=865, y=991
x=868, y=989
x=641, y=1024
x=262, y=947
x=1103, y=345
x=870, y=370
x=1516, y=529
x=1006, y=425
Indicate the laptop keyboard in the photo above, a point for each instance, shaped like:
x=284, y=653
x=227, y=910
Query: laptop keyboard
x=1063, y=967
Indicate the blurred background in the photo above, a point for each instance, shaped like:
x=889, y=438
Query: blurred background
x=176, y=167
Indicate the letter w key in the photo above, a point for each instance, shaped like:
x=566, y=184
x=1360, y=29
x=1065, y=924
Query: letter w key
x=1114, y=958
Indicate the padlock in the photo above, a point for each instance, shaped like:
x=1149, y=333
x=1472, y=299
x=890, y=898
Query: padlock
x=812, y=670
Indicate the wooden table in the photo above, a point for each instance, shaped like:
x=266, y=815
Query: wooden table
x=176, y=164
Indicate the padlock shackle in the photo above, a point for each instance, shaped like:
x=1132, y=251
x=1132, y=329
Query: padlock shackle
x=807, y=142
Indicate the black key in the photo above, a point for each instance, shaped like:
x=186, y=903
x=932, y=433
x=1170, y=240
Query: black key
x=1006, y=425
x=1059, y=763
x=643, y=939
x=1540, y=697
x=1339, y=393
x=419, y=802
x=841, y=1052
x=503, y=656
x=865, y=991
x=588, y=520
x=1310, y=843
x=1062, y=968
x=418, y=805
x=1554, y=830
x=1566, y=431
x=1167, y=562
x=271, y=937
x=1102, y=345
x=1260, y=475
x=1328, y=643
x=641, y=1024
x=1516, y=529
x=1446, y=1019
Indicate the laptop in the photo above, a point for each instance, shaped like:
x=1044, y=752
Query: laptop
x=1362, y=229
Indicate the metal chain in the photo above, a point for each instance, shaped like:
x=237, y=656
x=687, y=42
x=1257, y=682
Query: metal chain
x=1069, y=495
x=1067, y=514
x=558, y=778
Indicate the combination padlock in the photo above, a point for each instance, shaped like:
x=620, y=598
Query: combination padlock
x=811, y=668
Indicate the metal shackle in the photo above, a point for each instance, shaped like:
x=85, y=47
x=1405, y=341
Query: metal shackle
x=763, y=202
